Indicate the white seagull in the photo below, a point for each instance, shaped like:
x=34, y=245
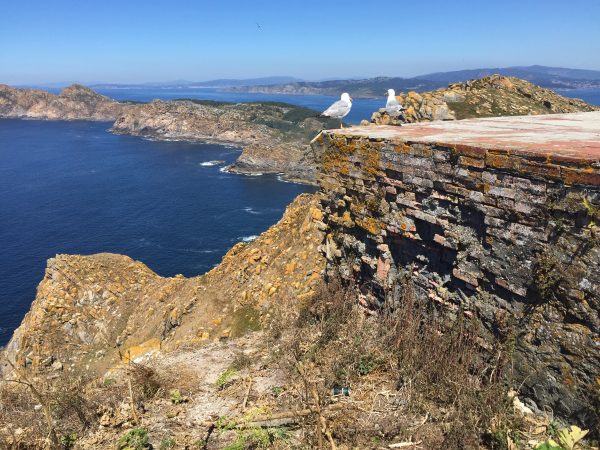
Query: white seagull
x=393, y=106
x=339, y=109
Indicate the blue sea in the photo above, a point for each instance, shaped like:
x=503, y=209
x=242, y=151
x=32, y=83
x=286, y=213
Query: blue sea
x=72, y=187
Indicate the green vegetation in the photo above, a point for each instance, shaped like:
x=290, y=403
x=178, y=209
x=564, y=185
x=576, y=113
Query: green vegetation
x=167, y=443
x=135, y=439
x=109, y=382
x=67, y=441
x=176, y=397
x=566, y=439
x=277, y=390
x=258, y=438
x=203, y=102
x=245, y=319
x=225, y=378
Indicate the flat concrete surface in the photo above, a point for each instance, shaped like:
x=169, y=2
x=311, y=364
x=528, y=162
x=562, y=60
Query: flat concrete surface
x=575, y=135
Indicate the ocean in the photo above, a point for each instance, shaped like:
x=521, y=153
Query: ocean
x=72, y=187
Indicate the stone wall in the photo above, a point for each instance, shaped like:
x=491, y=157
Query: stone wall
x=509, y=238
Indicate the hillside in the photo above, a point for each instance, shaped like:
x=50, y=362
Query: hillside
x=218, y=83
x=274, y=136
x=371, y=87
x=548, y=77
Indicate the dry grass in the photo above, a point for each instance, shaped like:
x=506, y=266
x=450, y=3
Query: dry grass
x=412, y=373
x=25, y=401
x=74, y=405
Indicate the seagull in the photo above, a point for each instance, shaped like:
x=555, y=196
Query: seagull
x=258, y=26
x=393, y=106
x=339, y=109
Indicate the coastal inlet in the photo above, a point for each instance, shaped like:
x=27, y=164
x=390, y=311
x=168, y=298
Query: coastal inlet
x=71, y=187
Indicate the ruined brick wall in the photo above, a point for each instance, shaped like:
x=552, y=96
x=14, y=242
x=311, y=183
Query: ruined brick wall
x=509, y=238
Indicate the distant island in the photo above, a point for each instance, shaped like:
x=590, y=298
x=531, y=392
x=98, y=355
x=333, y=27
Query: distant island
x=548, y=77
x=218, y=83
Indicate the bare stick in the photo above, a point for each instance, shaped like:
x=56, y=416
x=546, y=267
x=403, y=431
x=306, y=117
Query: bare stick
x=131, y=401
x=245, y=402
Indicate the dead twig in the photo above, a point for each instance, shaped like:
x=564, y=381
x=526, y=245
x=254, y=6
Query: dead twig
x=245, y=402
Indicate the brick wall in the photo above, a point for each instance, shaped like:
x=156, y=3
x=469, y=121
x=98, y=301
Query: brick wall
x=506, y=237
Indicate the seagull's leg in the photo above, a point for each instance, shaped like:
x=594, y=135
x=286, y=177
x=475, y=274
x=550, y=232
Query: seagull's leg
x=342, y=124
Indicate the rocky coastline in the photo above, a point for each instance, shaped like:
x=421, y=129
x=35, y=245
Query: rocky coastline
x=274, y=137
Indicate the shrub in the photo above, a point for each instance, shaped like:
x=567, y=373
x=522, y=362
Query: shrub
x=167, y=443
x=176, y=397
x=241, y=361
x=68, y=441
x=258, y=438
x=427, y=361
x=134, y=439
x=145, y=380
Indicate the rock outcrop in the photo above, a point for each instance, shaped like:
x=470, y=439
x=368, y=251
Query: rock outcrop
x=492, y=96
x=91, y=312
x=496, y=220
x=75, y=102
x=275, y=136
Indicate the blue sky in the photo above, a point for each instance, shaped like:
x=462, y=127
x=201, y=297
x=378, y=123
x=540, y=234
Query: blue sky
x=136, y=41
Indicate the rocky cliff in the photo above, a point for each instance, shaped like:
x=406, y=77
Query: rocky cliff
x=275, y=136
x=91, y=312
x=495, y=220
x=491, y=96
x=75, y=102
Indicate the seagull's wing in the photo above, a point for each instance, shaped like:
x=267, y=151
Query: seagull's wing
x=393, y=103
x=393, y=106
x=338, y=110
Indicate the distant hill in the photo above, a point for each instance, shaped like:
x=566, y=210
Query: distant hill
x=219, y=83
x=369, y=87
x=556, y=77
x=548, y=77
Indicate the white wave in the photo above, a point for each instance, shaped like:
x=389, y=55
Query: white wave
x=249, y=209
x=212, y=163
x=249, y=238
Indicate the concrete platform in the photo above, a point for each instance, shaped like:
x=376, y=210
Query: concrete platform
x=567, y=137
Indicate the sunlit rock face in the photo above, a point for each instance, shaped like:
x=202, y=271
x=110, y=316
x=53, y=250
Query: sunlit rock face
x=492, y=96
x=75, y=102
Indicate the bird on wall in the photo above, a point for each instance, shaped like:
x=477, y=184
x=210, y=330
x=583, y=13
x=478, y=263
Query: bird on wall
x=393, y=107
x=339, y=109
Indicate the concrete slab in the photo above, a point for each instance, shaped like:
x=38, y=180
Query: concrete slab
x=562, y=136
